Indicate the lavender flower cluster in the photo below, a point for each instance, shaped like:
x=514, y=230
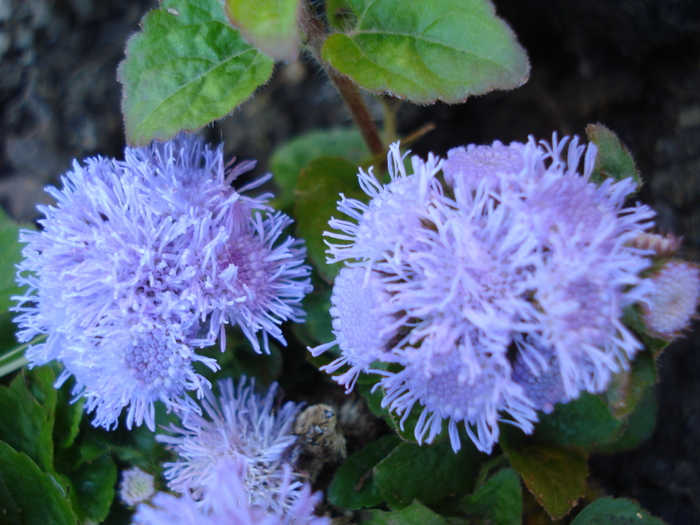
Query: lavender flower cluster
x=143, y=261
x=488, y=286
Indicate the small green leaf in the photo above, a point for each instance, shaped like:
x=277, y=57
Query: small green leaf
x=632, y=317
x=317, y=327
x=68, y=417
x=606, y=511
x=185, y=69
x=555, y=476
x=270, y=25
x=613, y=160
x=353, y=486
x=499, y=500
x=639, y=427
x=36, y=495
x=408, y=432
x=365, y=385
x=428, y=473
x=628, y=387
x=318, y=192
x=10, y=255
x=94, y=489
x=287, y=162
x=338, y=12
x=443, y=50
x=583, y=422
x=414, y=514
x=26, y=424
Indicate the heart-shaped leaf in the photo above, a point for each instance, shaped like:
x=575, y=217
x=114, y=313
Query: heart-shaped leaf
x=443, y=50
x=186, y=68
x=270, y=25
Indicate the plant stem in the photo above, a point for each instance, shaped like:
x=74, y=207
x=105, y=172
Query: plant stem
x=348, y=90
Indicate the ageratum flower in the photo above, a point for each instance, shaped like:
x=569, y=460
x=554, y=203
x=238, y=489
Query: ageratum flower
x=141, y=262
x=492, y=296
x=241, y=425
x=230, y=504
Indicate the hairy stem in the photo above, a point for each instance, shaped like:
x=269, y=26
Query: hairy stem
x=348, y=90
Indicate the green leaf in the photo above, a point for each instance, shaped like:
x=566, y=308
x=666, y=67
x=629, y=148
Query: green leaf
x=353, y=486
x=414, y=514
x=606, y=511
x=428, y=473
x=583, y=422
x=68, y=417
x=639, y=427
x=36, y=495
x=499, y=500
x=94, y=489
x=408, y=432
x=337, y=13
x=10, y=255
x=443, y=50
x=185, y=69
x=613, y=160
x=632, y=317
x=555, y=476
x=317, y=327
x=270, y=25
x=288, y=161
x=628, y=387
x=318, y=189
x=26, y=424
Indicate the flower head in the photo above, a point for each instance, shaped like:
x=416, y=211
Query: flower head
x=672, y=299
x=143, y=261
x=497, y=294
x=136, y=486
x=230, y=504
x=242, y=425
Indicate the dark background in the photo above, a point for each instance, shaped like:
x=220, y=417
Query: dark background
x=633, y=65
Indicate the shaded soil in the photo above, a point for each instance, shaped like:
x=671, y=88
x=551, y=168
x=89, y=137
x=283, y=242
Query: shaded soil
x=633, y=65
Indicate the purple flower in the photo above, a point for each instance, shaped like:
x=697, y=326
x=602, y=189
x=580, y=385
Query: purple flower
x=497, y=295
x=230, y=504
x=241, y=425
x=144, y=260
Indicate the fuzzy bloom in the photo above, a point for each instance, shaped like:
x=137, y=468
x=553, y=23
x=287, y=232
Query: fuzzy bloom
x=242, y=425
x=143, y=261
x=492, y=297
x=672, y=299
x=136, y=486
x=229, y=504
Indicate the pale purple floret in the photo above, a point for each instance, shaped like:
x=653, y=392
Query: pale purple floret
x=144, y=260
x=499, y=295
x=468, y=166
x=229, y=504
x=242, y=425
x=360, y=329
